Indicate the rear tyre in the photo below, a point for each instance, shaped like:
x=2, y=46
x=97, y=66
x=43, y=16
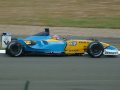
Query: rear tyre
x=14, y=49
x=95, y=49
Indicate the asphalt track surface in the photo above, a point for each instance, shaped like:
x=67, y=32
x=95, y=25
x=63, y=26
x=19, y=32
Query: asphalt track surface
x=59, y=73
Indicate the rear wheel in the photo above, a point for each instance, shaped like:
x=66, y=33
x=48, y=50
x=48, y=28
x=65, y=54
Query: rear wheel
x=95, y=49
x=14, y=49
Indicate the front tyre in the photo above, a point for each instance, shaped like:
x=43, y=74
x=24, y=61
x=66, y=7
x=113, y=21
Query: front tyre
x=14, y=49
x=95, y=49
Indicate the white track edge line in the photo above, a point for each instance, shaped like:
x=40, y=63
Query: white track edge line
x=3, y=51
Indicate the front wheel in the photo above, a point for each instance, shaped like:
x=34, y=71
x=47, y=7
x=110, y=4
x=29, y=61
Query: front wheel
x=95, y=49
x=14, y=49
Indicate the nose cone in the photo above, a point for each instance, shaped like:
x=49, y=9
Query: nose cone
x=111, y=50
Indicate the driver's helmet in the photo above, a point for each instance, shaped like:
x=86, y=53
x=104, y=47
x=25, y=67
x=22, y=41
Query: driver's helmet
x=56, y=37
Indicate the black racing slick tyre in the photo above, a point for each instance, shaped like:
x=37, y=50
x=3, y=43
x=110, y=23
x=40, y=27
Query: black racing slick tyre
x=14, y=49
x=95, y=49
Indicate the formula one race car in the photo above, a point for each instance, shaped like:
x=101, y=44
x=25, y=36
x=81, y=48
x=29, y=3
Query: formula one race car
x=43, y=43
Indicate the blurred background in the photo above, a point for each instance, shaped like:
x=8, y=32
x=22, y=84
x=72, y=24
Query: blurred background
x=73, y=13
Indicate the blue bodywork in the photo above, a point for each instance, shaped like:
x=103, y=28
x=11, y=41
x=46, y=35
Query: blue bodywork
x=42, y=45
x=111, y=48
x=38, y=38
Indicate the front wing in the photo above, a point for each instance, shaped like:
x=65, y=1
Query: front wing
x=111, y=51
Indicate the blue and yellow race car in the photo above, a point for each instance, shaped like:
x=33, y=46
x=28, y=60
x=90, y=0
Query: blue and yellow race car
x=43, y=43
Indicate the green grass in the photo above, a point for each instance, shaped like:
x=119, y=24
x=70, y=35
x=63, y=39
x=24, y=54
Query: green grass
x=66, y=13
x=89, y=22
